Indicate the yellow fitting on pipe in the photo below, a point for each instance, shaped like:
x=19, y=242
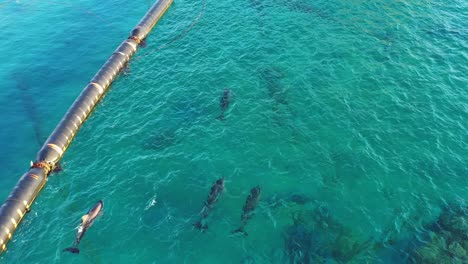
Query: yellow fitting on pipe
x=13, y=221
x=56, y=148
x=21, y=214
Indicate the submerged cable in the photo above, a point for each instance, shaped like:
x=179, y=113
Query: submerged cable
x=179, y=36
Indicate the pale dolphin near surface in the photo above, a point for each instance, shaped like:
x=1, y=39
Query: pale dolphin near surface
x=87, y=221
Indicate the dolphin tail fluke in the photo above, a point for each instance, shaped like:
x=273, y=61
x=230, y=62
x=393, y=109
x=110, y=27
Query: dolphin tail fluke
x=74, y=250
x=202, y=227
x=220, y=117
x=58, y=168
x=240, y=230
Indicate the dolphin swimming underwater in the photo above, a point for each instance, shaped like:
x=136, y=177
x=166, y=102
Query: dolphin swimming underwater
x=213, y=197
x=248, y=210
x=224, y=102
x=87, y=221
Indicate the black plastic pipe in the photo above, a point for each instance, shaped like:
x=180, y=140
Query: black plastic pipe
x=31, y=183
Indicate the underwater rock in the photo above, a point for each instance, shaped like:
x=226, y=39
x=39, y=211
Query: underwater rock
x=457, y=250
x=347, y=246
x=298, y=243
x=455, y=224
x=431, y=253
x=447, y=238
x=316, y=237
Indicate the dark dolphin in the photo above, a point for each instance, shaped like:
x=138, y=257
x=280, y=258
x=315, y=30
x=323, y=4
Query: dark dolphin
x=249, y=208
x=213, y=197
x=276, y=90
x=224, y=102
x=87, y=221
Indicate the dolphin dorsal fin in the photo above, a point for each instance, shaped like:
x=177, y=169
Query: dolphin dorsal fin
x=84, y=218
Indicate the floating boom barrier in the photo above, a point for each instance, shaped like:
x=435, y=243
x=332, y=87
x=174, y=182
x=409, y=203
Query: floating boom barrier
x=28, y=187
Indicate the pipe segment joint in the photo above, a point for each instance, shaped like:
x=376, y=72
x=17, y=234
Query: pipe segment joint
x=32, y=182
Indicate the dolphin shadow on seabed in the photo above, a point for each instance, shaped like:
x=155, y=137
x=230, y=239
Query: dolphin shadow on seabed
x=272, y=77
x=161, y=140
x=316, y=236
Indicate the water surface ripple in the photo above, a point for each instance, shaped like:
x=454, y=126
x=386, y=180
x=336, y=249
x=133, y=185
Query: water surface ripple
x=351, y=116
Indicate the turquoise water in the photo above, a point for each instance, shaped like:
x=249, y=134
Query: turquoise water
x=351, y=116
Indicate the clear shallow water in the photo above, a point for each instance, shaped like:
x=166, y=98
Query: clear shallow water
x=358, y=109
